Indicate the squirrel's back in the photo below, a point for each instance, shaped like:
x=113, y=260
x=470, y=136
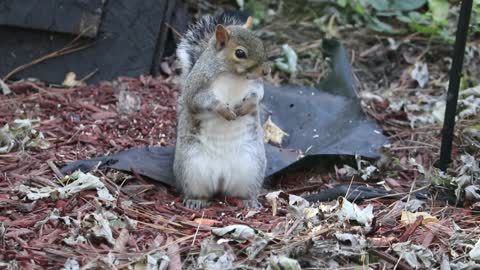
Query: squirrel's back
x=195, y=40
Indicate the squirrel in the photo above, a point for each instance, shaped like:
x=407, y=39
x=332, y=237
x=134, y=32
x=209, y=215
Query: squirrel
x=219, y=148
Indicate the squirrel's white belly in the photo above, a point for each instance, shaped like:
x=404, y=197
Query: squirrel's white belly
x=218, y=134
x=225, y=156
x=226, y=159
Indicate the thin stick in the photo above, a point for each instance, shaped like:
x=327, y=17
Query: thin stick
x=348, y=190
x=196, y=232
x=173, y=30
x=89, y=75
x=160, y=227
x=69, y=48
x=64, y=51
x=407, y=194
x=55, y=169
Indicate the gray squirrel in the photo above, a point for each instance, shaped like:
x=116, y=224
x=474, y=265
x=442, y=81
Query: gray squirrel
x=220, y=149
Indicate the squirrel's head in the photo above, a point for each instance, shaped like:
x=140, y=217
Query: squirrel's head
x=242, y=52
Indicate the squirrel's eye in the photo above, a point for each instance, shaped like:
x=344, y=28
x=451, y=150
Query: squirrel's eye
x=240, y=54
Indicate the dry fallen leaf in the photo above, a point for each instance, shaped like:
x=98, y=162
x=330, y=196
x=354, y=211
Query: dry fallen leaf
x=283, y=262
x=475, y=252
x=351, y=211
x=420, y=74
x=237, y=232
x=71, y=80
x=214, y=255
x=273, y=198
x=273, y=133
x=4, y=87
x=409, y=217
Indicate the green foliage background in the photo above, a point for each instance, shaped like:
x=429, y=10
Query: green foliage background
x=437, y=18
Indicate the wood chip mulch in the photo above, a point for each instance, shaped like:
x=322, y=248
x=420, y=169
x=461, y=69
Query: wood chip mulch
x=146, y=217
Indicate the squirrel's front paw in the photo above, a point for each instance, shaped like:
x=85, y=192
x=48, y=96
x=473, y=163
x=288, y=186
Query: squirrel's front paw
x=249, y=104
x=226, y=112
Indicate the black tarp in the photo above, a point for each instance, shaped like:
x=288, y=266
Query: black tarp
x=126, y=37
x=61, y=16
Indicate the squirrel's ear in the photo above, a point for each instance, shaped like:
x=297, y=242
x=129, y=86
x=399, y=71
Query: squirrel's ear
x=249, y=23
x=221, y=36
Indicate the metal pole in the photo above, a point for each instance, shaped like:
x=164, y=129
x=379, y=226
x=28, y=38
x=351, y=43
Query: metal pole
x=454, y=84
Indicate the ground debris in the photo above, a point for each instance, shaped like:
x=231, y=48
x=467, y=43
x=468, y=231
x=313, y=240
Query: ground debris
x=215, y=256
x=351, y=212
x=5, y=89
x=416, y=256
x=71, y=264
x=236, y=232
x=475, y=252
x=22, y=135
x=420, y=74
x=71, y=80
x=79, y=182
x=155, y=261
x=283, y=263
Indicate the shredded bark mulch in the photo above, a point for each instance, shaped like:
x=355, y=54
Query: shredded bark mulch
x=146, y=221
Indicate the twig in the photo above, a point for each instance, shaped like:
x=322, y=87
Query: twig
x=40, y=89
x=154, y=217
x=410, y=192
x=69, y=48
x=160, y=227
x=196, y=231
x=410, y=230
x=391, y=259
x=173, y=30
x=398, y=262
x=294, y=226
x=63, y=51
x=55, y=169
x=407, y=194
x=89, y=75
x=425, y=51
x=411, y=147
x=349, y=186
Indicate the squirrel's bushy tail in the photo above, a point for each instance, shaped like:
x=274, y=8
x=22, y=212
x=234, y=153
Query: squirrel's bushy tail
x=196, y=39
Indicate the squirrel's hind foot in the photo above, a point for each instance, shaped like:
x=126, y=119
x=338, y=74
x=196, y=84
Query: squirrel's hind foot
x=196, y=204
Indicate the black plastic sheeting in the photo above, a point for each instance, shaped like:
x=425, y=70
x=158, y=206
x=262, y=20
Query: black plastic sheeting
x=125, y=37
x=61, y=16
x=321, y=124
